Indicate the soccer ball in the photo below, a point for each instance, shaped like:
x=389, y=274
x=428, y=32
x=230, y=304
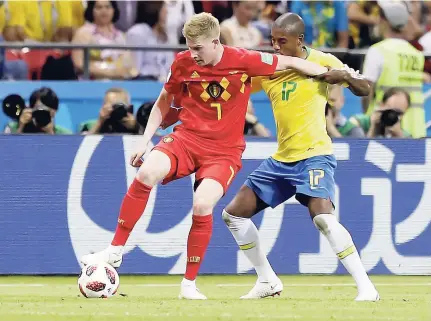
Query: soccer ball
x=98, y=280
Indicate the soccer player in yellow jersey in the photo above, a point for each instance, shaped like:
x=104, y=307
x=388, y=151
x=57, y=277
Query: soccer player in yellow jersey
x=303, y=164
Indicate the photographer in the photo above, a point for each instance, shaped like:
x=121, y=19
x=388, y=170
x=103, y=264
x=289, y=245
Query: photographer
x=337, y=124
x=385, y=121
x=38, y=118
x=115, y=116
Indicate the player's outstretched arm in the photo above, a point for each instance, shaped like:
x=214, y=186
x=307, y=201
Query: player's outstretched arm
x=158, y=112
x=304, y=66
x=357, y=83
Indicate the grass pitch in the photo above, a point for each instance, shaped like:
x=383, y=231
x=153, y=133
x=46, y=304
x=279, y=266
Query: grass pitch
x=307, y=298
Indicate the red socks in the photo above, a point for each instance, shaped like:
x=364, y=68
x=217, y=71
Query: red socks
x=197, y=243
x=132, y=208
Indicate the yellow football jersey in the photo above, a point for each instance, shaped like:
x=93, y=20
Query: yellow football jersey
x=298, y=103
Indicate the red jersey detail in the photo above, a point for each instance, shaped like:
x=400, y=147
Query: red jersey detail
x=214, y=98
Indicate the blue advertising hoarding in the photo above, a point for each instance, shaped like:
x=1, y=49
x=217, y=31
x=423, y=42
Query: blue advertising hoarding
x=59, y=199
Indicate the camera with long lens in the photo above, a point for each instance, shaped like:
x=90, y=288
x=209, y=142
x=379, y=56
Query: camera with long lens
x=13, y=106
x=390, y=117
x=120, y=110
x=114, y=123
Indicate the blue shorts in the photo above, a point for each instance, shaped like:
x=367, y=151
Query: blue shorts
x=275, y=182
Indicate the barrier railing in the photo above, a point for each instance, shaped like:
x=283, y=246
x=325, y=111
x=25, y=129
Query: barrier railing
x=87, y=48
x=339, y=52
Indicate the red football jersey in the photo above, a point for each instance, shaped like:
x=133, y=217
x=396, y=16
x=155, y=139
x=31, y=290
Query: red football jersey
x=214, y=98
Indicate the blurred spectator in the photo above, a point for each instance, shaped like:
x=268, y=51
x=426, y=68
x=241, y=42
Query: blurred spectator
x=99, y=29
x=337, y=124
x=364, y=17
x=219, y=9
x=252, y=125
x=15, y=69
x=414, y=30
x=39, y=117
x=264, y=23
x=115, y=116
x=385, y=121
x=326, y=22
x=178, y=12
x=129, y=11
x=77, y=9
x=151, y=30
x=238, y=30
x=394, y=62
x=40, y=21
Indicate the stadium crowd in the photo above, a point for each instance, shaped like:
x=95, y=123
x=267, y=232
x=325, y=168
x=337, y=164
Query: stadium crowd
x=329, y=24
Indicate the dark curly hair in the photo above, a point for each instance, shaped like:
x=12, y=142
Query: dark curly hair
x=88, y=15
x=148, y=12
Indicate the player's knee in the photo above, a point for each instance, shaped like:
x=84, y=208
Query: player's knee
x=149, y=177
x=232, y=209
x=226, y=217
x=202, y=206
x=322, y=222
x=241, y=207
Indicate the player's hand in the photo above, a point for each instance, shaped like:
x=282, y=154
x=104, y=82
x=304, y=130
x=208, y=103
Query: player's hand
x=136, y=158
x=25, y=117
x=333, y=76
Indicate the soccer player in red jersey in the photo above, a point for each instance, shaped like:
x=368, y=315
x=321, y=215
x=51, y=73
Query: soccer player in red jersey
x=213, y=83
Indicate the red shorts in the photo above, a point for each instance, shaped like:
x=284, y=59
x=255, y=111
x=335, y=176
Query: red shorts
x=188, y=157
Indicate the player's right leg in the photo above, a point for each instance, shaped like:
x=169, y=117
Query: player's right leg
x=316, y=190
x=156, y=167
x=258, y=192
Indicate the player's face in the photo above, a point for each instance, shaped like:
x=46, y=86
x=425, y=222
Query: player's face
x=203, y=50
x=286, y=43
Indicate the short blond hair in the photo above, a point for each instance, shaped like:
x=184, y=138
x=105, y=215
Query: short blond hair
x=202, y=25
x=123, y=92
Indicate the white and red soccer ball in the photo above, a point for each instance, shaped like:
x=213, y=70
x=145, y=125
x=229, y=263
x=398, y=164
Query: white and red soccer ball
x=98, y=280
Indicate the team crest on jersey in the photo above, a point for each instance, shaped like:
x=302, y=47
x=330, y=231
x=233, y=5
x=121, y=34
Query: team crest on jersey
x=214, y=90
x=168, y=139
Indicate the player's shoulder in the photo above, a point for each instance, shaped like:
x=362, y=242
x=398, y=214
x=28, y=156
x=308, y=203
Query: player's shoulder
x=324, y=58
x=184, y=58
x=235, y=51
x=321, y=56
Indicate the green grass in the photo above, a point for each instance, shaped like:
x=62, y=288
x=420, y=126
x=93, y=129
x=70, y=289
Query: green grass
x=308, y=298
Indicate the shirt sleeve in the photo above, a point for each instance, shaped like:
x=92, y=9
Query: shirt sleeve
x=256, y=84
x=134, y=37
x=342, y=21
x=373, y=64
x=15, y=13
x=259, y=63
x=173, y=82
x=332, y=61
x=64, y=10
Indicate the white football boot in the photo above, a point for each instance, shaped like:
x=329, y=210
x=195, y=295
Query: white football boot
x=264, y=289
x=189, y=291
x=112, y=255
x=369, y=294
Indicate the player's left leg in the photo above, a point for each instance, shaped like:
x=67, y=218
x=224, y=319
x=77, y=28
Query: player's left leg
x=208, y=193
x=317, y=191
x=212, y=180
x=265, y=186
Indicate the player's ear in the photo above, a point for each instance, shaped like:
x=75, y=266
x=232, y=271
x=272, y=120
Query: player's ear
x=216, y=42
x=300, y=39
